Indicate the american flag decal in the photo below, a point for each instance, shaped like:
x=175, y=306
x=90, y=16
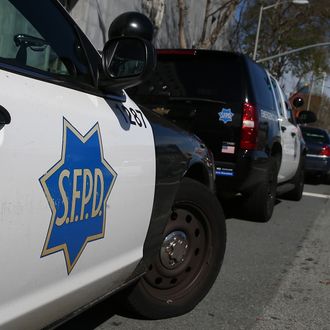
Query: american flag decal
x=228, y=148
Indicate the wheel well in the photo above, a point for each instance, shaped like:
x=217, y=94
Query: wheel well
x=198, y=173
x=277, y=152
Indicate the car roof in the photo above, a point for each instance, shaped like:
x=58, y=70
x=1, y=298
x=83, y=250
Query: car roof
x=199, y=52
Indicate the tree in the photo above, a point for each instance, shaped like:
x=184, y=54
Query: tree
x=285, y=27
x=179, y=24
x=154, y=9
x=216, y=15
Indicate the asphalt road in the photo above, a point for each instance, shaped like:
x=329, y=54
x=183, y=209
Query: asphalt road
x=275, y=276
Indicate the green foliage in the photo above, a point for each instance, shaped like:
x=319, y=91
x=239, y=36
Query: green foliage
x=285, y=27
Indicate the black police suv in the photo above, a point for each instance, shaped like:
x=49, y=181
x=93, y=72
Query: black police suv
x=227, y=100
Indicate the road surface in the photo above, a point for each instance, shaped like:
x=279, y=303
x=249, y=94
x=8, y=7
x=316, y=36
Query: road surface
x=276, y=275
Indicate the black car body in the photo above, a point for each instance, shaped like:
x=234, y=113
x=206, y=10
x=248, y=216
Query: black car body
x=227, y=100
x=318, y=151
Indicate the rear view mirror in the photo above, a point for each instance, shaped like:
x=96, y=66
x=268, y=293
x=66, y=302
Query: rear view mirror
x=306, y=117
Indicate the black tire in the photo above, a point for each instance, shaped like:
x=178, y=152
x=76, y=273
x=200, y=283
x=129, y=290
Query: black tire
x=296, y=193
x=172, y=287
x=259, y=204
x=326, y=178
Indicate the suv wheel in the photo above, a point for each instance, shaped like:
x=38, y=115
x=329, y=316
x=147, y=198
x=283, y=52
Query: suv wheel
x=259, y=204
x=189, y=260
x=326, y=178
x=296, y=193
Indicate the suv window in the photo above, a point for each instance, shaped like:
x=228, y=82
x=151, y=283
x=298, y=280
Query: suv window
x=278, y=98
x=50, y=46
x=261, y=86
x=189, y=76
x=314, y=135
x=289, y=113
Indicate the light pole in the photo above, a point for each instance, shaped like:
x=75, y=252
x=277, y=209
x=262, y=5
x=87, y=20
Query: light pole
x=312, y=85
x=262, y=8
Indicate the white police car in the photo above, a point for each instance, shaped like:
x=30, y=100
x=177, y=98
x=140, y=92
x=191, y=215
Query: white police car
x=291, y=170
x=96, y=194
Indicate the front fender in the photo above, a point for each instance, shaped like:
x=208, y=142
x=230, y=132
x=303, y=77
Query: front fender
x=178, y=154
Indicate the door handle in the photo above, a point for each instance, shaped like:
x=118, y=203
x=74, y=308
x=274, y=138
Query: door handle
x=5, y=118
x=283, y=128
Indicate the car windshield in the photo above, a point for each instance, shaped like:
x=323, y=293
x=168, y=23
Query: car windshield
x=313, y=135
x=217, y=78
x=48, y=46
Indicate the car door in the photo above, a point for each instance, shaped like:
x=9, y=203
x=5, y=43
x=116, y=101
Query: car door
x=77, y=178
x=289, y=138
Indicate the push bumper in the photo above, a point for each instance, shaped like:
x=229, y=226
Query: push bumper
x=249, y=171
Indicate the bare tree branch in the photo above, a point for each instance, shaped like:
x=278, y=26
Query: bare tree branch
x=234, y=39
x=101, y=22
x=223, y=13
x=219, y=9
x=154, y=9
x=205, y=22
x=182, y=15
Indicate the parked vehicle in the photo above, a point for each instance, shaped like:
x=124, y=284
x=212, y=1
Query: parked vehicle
x=228, y=101
x=318, y=151
x=96, y=194
x=291, y=171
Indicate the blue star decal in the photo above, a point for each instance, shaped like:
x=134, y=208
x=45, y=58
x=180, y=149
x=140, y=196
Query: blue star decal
x=77, y=189
x=225, y=115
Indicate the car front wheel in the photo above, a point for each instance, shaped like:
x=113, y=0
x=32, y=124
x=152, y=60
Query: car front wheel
x=189, y=259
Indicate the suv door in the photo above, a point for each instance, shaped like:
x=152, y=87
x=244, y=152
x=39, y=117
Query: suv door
x=71, y=170
x=289, y=137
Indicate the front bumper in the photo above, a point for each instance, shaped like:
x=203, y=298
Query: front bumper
x=249, y=171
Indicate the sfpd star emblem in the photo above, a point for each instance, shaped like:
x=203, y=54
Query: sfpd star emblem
x=225, y=115
x=77, y=188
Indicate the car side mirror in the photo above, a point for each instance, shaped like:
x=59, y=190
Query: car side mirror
x=298, y=102
x=305, y=117
x=126, y=62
